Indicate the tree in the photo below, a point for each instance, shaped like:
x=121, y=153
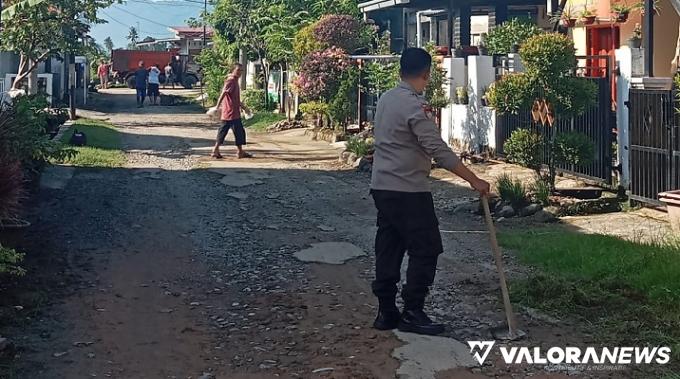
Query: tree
x=550, y=86
x=108, y=44
x=133, y=37
x=37, y=30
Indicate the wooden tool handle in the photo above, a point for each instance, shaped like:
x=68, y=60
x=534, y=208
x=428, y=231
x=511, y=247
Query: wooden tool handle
x=510, y=315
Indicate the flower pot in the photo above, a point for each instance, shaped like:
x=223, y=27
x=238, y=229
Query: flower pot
x=672, y=201
x=622, y=17
x=634, y=43
x=570, y=22
x=589, y=20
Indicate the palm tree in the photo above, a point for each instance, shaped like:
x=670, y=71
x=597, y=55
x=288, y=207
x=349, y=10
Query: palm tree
x=108, y=44
x=132, y=36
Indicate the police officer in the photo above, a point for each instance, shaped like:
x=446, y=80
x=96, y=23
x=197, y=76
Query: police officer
x=406, y=141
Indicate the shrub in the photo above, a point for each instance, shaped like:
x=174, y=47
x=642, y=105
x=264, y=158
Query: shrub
x=382, y=76
x=548, y=56
x=343, y=107
x=305, y=43
x=342, y=31
x=9, y=261
x=501, y=39
x=511, y=190
x=317, y=109
x=541, y=190
x=359, y=146
x=215, y=64
x=254, y=100
x=525, y=148
x=434, y=91
x=573, y=148
x=320, y=72
x=509, y=94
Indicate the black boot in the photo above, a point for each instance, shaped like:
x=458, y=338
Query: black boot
x=416, y=321
x=388, y=315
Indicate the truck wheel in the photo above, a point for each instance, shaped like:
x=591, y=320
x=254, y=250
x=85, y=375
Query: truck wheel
x=189, y=81
x=130, y=82
x=162, y=78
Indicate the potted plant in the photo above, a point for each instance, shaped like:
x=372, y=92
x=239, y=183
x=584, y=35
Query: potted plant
x=462, y=95
x=482, y=45
x=484, y=100
x=641, y=7
x=588, y=15
x=635, y=41
x=621, y=11
x=567, y=17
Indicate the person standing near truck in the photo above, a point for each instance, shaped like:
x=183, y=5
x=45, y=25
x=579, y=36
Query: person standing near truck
x=406, y=141
x=169, y=76
x=103, y=73
x=141, y=79
x=154, y=84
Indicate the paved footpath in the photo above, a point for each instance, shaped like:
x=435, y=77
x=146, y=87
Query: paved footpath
x=179, y=266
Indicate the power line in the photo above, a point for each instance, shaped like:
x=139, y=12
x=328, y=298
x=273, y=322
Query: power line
x=128, y=26
x=141, y=18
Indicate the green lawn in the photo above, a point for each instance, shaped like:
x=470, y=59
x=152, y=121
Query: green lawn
x=628, y=293
x=103, y=145
x=262, y=120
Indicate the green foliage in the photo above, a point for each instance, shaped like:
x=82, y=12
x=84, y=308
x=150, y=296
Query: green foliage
x=216, y=64
x=548, y=56
x=462, y=95
x=573, y=148
x=501, y=39
x=509, y=94
x=315, y=108
x=27, y=140
x=381, y=76
x=525, y=148
x=511, y=190
x=254, y=100
x=628, y=290
x=10, y=260
x=434, y=91
x=541, y=191
x=305, y=43
x=359, y=146
x=38, y=30
x=343, y=106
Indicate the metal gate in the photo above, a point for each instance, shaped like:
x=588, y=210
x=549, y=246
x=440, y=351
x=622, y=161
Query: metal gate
x=598, y=123
x=654, y=144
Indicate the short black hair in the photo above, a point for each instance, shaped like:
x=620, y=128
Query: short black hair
x=414, y=62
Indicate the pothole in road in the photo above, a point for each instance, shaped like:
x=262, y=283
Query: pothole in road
x=423, y=356
x=335, y=253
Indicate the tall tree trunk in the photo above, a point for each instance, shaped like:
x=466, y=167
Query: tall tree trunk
x=243, y=60
x=32, y=79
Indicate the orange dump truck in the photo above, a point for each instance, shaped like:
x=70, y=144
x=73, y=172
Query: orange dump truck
x=125, y=63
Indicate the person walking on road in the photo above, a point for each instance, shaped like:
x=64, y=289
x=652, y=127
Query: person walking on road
x=103, y=73
x=406, y=141
x=141, y=79
x=169, y=76
x=154, y=84
x=230, y=103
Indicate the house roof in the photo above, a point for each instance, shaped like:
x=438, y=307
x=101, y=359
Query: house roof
x=190, y=30
x=373, y=5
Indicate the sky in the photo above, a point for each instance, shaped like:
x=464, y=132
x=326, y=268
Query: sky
x=150, y=17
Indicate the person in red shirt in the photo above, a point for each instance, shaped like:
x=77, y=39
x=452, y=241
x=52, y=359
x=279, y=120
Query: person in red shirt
x=103, y=73
x=230, y=103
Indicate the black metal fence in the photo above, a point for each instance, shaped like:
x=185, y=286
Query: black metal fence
x=654, y=144
x=598, y=123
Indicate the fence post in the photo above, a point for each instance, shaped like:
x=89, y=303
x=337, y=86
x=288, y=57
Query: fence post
x=624, y=62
